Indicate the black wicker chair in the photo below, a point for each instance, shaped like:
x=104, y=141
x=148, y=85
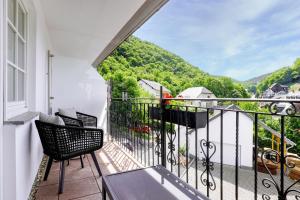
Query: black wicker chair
x=82, y=120
x=62, y=143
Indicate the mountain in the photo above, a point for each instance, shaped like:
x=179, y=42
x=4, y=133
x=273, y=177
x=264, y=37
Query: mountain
x=257, y=79
x=286, y=75
x=136, y=59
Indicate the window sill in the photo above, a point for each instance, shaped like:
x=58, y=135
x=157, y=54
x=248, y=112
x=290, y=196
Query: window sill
x=21, y=119
x=15, y=111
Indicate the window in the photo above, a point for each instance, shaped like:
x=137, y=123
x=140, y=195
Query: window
x=16, y=53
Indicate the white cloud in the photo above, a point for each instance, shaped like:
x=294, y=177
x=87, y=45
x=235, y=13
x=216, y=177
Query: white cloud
x=239, y=36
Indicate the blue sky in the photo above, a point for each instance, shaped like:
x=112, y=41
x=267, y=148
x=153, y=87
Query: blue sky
x=236, y=38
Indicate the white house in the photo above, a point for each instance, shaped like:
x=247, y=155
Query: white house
x=48, y=51
x=245, y=145
x=229, y=139
x=152, y=87
x=198, y=93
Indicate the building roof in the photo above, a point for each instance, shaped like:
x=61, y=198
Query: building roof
x=194, y=92
x=154, y=85
x=274, y=84
x=263, y=125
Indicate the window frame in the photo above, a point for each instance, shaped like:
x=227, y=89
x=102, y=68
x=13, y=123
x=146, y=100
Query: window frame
x=16, y=107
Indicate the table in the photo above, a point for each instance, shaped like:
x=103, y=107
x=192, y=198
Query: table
x=152, y=183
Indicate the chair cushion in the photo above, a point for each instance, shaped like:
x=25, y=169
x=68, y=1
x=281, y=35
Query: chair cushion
x=51, y=119
x=69, y=112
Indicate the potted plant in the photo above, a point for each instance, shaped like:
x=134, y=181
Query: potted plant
x=190, y=118
x=182, y=158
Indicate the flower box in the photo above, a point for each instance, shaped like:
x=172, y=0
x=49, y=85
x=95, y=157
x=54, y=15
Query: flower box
x=184, y=118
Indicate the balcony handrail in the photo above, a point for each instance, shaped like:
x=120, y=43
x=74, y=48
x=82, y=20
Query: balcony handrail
x=157, y=131
x=218, y=99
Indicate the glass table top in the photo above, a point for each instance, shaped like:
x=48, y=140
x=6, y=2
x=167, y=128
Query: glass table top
x=153, y=183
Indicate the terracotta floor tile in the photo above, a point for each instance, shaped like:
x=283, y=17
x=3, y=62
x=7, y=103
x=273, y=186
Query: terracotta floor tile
x=79, y=188
x=97, y=196
x=99, y=182
x=106, y=168
x=48, y=192
x=73, y=172
x=85, y=183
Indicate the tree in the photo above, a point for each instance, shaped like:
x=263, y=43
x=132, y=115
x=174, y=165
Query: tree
x=136, y=59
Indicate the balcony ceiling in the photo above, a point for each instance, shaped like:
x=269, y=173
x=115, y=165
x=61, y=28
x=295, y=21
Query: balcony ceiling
x=91, y=29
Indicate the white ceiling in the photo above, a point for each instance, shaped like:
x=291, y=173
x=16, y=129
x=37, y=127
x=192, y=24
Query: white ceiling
x=83, y=28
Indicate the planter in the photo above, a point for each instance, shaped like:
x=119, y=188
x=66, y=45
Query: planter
x=270, y=165
x=184, y=118
x=294, y=173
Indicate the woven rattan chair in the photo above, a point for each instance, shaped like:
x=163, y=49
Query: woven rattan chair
x=82, y=120
x=62, y=143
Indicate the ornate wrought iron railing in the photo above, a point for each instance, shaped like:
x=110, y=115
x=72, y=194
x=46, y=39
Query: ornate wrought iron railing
x=215, y=144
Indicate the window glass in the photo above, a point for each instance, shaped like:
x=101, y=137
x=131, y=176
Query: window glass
x=21, y=21
x=21, y=54
x=11, y=45
x=11, y=7
x=16, y=52
x=11, y=80
x=21, y=86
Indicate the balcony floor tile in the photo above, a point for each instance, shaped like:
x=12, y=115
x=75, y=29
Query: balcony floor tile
x=85, y=184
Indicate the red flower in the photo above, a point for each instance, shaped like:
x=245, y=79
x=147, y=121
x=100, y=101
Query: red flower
x=167, y=95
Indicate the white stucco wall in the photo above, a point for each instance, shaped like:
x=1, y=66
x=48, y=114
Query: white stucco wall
x=77, y=84
x=42, y=45
x=1, y=101
x=23, y=153
x=23, y=150
x=229, y=139
x=28, y=143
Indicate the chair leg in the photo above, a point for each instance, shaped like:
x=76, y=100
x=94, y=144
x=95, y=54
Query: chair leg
x=96, y=163
x=49, y=164
x=82, y=166
x=61, y=177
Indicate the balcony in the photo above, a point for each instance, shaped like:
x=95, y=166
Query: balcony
x=83, y=183
x=220, y=154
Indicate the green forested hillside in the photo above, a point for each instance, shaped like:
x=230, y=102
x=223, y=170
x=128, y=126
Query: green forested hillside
x=286, y=75
x=136, y=59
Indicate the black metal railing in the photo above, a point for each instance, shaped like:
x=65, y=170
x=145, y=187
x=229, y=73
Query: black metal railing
x=209, y=147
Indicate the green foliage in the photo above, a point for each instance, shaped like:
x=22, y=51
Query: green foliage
x=293, y=133
x=249, y=106
x=182, y=150
x=286, y=75
x=136, y=59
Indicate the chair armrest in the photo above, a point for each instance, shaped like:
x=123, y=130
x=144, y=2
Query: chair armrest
x=88, y=120
x=69, y=121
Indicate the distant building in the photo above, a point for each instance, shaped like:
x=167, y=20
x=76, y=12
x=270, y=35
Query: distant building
x=197, y=93
x=293, y=95
x=152, y=87
x=283, y=107
x=245, y=127
x=275, y=89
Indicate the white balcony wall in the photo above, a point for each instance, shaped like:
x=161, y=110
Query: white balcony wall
x=21, y=149
x=76, y=84
x=1, y=100
x=23, y=154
